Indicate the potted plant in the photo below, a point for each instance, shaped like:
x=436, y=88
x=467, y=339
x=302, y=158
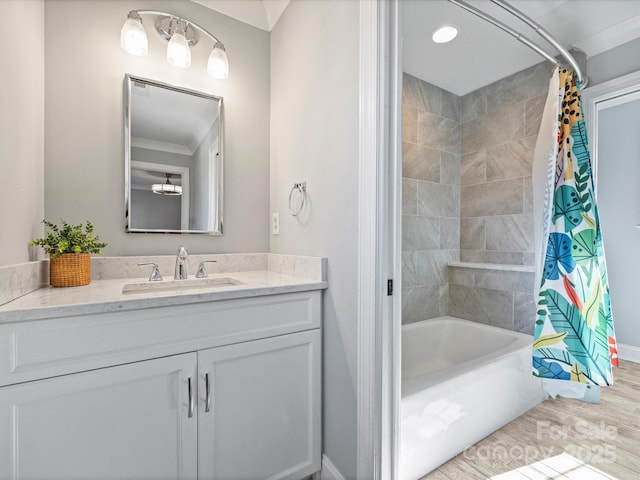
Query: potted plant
x=69, y=248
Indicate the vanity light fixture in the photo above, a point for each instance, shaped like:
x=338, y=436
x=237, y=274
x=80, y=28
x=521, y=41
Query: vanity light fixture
x=182, y=34
x=166, y=188
x=444, y=34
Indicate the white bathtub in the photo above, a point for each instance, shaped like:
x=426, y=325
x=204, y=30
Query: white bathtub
x=461, y=381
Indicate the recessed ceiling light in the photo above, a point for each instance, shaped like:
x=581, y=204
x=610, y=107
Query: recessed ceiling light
x=445, y=34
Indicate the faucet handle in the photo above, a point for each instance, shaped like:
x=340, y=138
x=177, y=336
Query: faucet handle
x=202, y=273
x=155, y=272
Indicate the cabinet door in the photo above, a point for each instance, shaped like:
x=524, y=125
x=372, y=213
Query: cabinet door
x=263, y=419
x=124, y=422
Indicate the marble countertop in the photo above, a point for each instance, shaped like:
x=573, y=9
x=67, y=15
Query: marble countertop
x=103, y=296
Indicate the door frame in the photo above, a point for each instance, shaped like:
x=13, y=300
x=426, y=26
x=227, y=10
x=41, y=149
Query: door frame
x=379, y=236
x=600, y=97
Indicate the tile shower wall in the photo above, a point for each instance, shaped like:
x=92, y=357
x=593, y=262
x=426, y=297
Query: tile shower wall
x=430, y=197
x=499, y=130
x=496, y=297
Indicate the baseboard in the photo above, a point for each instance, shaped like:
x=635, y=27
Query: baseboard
x=329, y=470
x=629, y=352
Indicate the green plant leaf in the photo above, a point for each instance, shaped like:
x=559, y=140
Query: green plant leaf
x=588, y=347
x=584, y=247
x=547, y=340
x=568, y=205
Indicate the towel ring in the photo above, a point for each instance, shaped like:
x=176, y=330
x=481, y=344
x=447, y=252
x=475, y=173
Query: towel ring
x=300, y=187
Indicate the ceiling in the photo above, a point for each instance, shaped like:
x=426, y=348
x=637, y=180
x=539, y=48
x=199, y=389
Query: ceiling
x=482, y=53
x=263, y=14
x=169, y=120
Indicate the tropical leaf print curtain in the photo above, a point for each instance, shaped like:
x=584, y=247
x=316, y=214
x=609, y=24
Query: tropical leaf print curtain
x=574, y=337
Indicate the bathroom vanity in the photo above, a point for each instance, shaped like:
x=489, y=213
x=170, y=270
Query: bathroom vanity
x=218, y=382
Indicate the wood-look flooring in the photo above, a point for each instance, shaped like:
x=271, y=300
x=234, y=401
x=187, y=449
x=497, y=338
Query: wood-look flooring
x=562, y=439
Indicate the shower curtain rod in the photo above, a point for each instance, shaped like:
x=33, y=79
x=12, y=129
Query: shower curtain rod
x=538, y=29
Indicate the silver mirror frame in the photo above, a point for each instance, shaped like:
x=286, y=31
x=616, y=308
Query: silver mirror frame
x=218, y=223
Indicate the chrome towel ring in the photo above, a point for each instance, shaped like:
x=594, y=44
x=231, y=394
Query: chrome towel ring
x=296, y=207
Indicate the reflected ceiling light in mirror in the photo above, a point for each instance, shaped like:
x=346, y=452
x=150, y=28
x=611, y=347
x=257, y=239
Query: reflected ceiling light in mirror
x=133, y=38
x=182, y=34
x=166, y=188
x=444, y=34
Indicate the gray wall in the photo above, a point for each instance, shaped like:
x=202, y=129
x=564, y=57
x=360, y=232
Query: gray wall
x=314, y=137
x=21, y=128
x=619, y=208
x=155, y=211
x=500, y=125
x=430, y=196
x=488, y=218
x=84, y=164
x=614, y=63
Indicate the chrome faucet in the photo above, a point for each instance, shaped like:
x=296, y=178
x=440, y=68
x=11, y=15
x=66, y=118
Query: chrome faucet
x=181, y=264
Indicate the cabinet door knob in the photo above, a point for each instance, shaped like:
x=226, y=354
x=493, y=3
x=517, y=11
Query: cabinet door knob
x=191, y=400
x=207, y=384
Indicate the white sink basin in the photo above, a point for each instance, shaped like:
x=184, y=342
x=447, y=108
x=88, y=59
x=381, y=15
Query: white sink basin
x=178, y=285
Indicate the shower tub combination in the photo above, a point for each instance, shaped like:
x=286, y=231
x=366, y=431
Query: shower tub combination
x=461, y=381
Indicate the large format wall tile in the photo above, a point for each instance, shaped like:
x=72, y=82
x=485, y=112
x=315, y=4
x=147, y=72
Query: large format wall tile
x=504, y=125
x=409, y=196
x=438, y=200
x=510, y=233
x=483, y=256
x=503, y=298
x=421, y=303
x=450, y=233
x=529, y=83
x=449, y=168
x=483, y=305
x=409, y=124
x=473, y=105
x=473, y=168
x=420, y=162
x=533, y=109
x=496, y=198
x=420, y=233
x=472, y=233
x=510, y=160
x=438, y=132
x=451, y=106
x=408, y=269
x=524, y=308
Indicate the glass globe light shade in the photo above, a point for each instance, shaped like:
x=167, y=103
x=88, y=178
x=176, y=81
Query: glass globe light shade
x=178, y=51
x=218, y=64
x=133, y=38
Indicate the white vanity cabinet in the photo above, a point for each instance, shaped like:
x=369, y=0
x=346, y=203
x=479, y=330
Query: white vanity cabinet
x=129, y=421
x=208, y=402
x=260, y=416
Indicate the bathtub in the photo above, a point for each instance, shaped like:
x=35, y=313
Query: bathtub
x=461, y=381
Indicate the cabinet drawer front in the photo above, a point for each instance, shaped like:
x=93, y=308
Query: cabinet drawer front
x=45, y=348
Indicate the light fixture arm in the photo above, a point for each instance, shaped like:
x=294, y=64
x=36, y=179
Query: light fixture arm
x=216, y=41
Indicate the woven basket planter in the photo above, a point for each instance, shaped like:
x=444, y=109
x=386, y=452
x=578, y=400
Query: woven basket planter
x=70, y=270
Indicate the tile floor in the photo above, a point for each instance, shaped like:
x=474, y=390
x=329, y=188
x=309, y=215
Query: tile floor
x=562, y=439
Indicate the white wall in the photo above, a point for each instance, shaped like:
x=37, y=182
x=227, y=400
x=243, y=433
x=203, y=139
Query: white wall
x=21, y=128
x=314, y=137
x=619, y=208
x=84, y=145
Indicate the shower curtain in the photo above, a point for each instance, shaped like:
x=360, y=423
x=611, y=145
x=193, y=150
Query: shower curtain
x=574, y=338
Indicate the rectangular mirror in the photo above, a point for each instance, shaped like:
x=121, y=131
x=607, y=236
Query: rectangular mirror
x=173, y=159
